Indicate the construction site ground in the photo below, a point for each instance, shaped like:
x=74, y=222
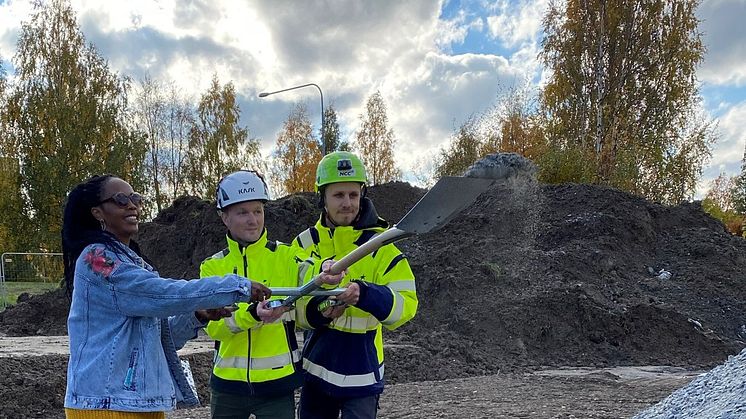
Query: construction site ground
x=35, y=367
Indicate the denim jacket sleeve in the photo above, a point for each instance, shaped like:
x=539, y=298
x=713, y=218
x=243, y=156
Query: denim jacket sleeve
x=137, y=291
x=183, y=327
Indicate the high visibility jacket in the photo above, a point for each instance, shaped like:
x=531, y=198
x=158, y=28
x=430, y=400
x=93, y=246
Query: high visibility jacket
x=345, y=356
x=254, y=357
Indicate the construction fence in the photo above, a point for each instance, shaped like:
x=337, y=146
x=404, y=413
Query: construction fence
x=29, y=273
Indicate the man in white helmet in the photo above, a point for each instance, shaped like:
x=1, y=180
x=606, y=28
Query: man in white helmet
x=257, y=364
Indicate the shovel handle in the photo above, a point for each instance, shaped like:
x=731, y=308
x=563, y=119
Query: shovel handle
x=291, y=291
x=391, y=235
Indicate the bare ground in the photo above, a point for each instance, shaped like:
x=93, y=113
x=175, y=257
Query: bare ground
x=576, y=393
x=32, y=385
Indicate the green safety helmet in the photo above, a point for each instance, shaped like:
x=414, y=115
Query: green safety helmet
x=340, y=166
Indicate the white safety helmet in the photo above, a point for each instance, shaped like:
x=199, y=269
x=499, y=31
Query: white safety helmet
x=241, y=186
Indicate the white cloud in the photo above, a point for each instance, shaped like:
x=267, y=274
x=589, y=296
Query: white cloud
x=11, y=14
x=517, y=22
x=724, y=35
x=731, y=145
x=728, y=152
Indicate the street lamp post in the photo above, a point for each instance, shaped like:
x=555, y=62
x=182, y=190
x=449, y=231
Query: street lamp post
x=323, y=140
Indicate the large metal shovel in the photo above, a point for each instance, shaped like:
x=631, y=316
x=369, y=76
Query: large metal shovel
x=441, y=203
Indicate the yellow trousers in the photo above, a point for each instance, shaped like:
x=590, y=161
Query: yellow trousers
x=111, y=414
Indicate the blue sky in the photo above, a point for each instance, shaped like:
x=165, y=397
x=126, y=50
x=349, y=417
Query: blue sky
x=434, y=62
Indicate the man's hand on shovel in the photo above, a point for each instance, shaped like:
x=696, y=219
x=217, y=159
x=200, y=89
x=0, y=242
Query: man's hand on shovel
x=328, y=278
x=268, y=314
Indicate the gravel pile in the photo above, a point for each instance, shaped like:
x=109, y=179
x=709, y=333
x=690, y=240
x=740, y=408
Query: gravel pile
x=719, y=394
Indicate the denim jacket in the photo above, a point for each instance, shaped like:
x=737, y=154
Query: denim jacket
x=125, y=325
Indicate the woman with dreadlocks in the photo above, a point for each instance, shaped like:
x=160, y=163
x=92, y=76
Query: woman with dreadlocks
x=126, y=322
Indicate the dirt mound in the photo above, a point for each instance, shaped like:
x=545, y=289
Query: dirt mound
x=561, y=275
x=43, y=314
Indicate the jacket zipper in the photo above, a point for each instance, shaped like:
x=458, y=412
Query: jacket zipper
x=248, y=333
x=288, y=335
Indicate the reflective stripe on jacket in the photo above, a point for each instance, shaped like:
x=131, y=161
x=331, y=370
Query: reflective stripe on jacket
x=346, y=355
x=254, y=357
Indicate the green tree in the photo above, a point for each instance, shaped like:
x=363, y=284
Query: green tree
x=375, y=142
x=11, y=204
x=623, y=95
x=217, y=145
x=331, y=134
x=464, y=149
x=296, y=154
x=720, y=203
x=180, y=120
x=165, y=117
x=149, y=111
x=66, y=110
x=739, y=189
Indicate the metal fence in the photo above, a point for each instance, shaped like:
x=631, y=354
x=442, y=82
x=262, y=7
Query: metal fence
x=31, y=272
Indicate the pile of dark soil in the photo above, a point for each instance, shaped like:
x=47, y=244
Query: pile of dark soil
x=530, y=275
x=42, y=314
x=567, y=275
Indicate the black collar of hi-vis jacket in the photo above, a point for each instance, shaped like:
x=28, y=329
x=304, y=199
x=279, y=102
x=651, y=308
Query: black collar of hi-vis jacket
x=367, y=217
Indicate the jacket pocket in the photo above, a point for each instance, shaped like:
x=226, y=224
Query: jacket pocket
x=130, y=382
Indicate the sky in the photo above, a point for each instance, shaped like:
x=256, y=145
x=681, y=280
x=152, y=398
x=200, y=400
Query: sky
x=435, y=63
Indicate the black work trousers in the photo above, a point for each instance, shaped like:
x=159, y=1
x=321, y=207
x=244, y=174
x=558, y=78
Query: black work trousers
x=316, y=404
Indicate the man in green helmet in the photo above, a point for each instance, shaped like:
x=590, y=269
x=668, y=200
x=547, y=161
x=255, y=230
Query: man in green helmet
x=257, y=361
x=343, y=356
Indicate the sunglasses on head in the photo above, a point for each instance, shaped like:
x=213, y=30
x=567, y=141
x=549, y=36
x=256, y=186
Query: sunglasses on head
x=123, y=200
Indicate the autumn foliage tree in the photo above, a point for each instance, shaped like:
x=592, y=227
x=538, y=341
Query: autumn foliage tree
x=180, y=119
x=375, y=142
x=149, y=109
x=510, y=126
x=622, y=102
x=217, y=144
x=11, y=204
x=513, y=125
x=465, y=147
x=66, y=119
x=166, y=118
x=739, y=189
x=296, y=154
x=720, y=202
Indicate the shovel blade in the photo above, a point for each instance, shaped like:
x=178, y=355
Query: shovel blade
x=442, y=202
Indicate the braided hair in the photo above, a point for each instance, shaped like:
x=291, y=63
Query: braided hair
x=80, y=228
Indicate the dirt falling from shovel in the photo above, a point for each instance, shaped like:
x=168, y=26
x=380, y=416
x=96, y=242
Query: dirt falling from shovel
x=516, y=176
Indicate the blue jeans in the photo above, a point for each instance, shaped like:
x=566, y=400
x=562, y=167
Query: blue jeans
x=315, y=404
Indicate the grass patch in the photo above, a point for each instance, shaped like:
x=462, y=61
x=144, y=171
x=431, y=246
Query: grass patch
x=9, y=291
